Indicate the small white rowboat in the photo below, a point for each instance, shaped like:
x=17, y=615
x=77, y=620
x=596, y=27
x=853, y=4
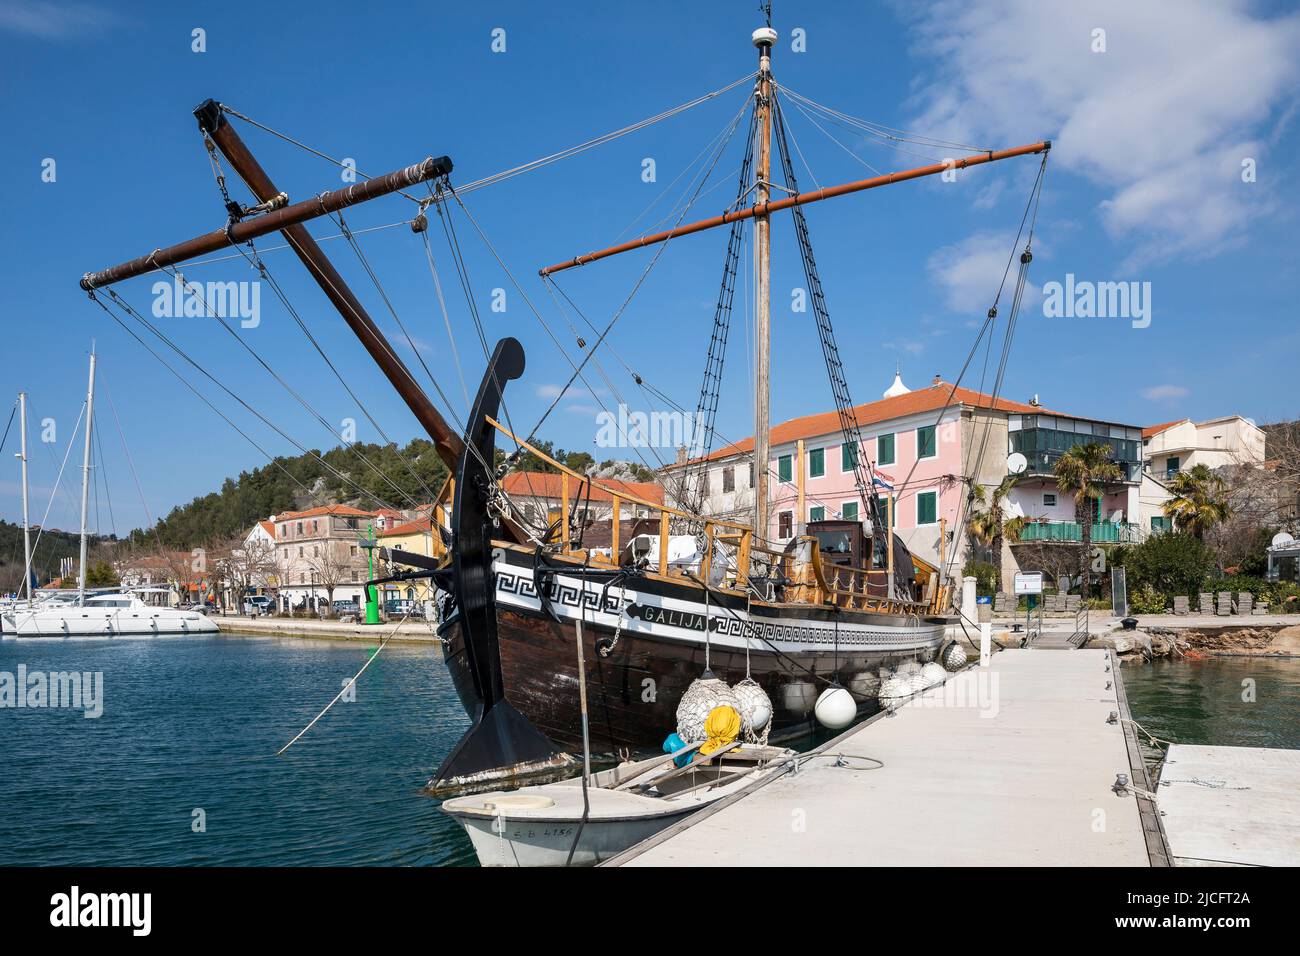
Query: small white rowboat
x=538, y=826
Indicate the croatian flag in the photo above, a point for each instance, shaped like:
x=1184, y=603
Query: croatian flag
x=881, y=480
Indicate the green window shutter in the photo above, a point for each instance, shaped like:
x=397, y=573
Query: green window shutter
x=816, y=462
x=850, y=511
x=885, y=450
x=927, y=508
x=848, y=457
x=817, y=513
x=783, y=468
x=925, y=447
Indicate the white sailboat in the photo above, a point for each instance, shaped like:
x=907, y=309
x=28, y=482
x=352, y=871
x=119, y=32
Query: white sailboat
x=97, y=615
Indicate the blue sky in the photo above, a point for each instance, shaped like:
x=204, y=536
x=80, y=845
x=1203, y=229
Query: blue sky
x=1144, y=185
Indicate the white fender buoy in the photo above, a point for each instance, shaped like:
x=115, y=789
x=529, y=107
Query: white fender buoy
x=894, y=688
x=754, y=707
x=954, y=658
x=934, y=674
x=908, y=668
x=835, y=708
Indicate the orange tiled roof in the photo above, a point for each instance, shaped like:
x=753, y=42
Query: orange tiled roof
x=346, y=510
x=540, y=484
x=929, y=399
x=419, y=526
x=1153, y=430
x=268, y=527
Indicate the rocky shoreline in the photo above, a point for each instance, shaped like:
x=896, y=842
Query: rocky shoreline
x=1197, y=643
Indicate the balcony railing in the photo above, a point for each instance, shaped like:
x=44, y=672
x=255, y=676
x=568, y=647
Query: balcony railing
x=1103, y=532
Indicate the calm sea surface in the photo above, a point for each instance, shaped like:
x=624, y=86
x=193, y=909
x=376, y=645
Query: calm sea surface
x=194, y=723
x=1207, y=702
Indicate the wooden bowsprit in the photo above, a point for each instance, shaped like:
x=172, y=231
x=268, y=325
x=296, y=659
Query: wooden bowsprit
x=289, y=221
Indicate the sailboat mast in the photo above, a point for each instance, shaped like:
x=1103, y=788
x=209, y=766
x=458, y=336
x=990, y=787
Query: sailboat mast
x=27, y=533
x=85, y=479
x=763, y=38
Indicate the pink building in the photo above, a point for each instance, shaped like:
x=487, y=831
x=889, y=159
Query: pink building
x=922, y=443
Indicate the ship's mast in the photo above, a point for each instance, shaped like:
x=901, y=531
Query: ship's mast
x=763, y=38
x=85, y=479
x=27, y=533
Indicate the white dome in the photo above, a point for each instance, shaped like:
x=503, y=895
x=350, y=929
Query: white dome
x=898, y=388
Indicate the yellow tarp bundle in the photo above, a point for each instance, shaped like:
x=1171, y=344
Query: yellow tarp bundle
x=720, y=728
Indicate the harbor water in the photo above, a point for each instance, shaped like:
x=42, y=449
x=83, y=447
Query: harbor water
x=180, y=769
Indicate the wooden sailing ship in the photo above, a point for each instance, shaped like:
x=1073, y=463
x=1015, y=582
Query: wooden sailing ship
x=529, y=614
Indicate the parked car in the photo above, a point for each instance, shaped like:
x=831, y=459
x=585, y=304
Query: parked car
x=258, y=604
x=403, y=607
x=345, y=607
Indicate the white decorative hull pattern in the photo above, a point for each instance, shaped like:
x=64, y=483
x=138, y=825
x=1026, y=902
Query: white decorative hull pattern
x=788, y=629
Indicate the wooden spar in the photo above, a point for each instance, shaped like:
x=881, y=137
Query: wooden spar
x=763, y=39
x=289, y=220
x=445, y=440
x=802, y=199
x=276, y=220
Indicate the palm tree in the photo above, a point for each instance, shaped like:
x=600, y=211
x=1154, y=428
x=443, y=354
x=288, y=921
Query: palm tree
x=1199, y=502
x=988, y=524
x=1083, y=472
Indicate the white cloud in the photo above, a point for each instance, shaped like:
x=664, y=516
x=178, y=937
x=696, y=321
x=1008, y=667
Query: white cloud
x=51, y=21
x=970, y=271
x=1163, y=118
x=1165, y=393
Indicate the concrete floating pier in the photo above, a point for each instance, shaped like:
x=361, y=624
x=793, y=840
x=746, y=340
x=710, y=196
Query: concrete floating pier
x=1010, y=765
x=1231, y=806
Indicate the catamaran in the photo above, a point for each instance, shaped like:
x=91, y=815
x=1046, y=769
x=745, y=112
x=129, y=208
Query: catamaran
x=94, y=614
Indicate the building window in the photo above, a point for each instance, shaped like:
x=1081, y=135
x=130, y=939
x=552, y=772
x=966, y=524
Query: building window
x=706, y=483
x=849, y=511
x=886, y=513
x=1159, y=523
x=315, y=551
x=355, y=577
x=1049, y=500
x=300, y=551
x=728, y=479
x=816, y=462
x=925, y=446
x=751, y=474
x=299, y=528
x=1171, y=465
x=353, y=549
x=927, y=507
x=315, y=526
x=784, y=471
x=848, y=457
x=885, y=450
x=784, y=521
x=817, y=513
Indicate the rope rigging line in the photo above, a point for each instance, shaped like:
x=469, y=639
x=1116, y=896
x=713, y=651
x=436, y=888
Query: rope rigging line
x=577, y=374
x=706, y=408
x=525, y=167
x=307, y=406
x=886, y=133
x=257, y=262
x=134, y=313
x=58, y=481
x=659, y=251
x=184, y=381
x=153, y=525
x=863, y=471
